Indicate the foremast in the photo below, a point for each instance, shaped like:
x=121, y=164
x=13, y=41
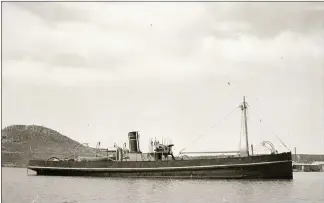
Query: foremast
x=244, y=111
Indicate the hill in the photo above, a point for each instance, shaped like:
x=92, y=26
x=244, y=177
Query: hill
x=21, y=143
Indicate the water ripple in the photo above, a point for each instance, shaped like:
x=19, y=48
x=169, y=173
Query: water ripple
x=17, y=187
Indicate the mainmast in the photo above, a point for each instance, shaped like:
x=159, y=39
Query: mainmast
x=244, y=108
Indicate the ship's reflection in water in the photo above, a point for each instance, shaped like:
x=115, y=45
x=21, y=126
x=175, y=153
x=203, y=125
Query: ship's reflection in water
x=18, y=187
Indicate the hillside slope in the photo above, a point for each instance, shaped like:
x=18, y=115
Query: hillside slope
x=21, y=143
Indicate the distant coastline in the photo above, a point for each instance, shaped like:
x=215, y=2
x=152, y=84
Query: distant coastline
x=20, y=143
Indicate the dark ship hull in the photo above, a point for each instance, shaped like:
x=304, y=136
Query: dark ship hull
x=274, y=166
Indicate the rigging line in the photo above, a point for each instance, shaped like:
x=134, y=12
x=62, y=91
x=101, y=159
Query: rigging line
x=240, y=143
x=262, y=123
x=225, y=117
x=281, y=141
x=277, y=137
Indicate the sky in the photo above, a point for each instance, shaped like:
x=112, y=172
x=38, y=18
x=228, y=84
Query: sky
x=96, y=71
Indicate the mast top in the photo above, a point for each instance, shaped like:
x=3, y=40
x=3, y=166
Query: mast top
x=244, y=104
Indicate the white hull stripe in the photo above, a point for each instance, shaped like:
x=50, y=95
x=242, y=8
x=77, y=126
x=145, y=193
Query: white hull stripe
x=159, y=168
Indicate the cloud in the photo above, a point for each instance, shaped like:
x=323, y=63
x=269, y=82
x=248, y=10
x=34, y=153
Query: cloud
x=87, y=43
x=53, y=12
x=268, y=19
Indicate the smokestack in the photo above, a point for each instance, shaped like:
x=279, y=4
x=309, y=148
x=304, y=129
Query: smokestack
x=252, y=149
x=133, y=138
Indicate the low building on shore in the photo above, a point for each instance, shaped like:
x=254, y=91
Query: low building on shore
x=304, y=167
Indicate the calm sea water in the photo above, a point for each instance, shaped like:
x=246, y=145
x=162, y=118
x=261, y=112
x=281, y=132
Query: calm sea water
x=17, y=187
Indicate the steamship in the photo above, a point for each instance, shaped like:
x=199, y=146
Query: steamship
x=160, y=162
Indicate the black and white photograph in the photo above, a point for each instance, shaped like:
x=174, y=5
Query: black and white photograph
x=162, y=101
